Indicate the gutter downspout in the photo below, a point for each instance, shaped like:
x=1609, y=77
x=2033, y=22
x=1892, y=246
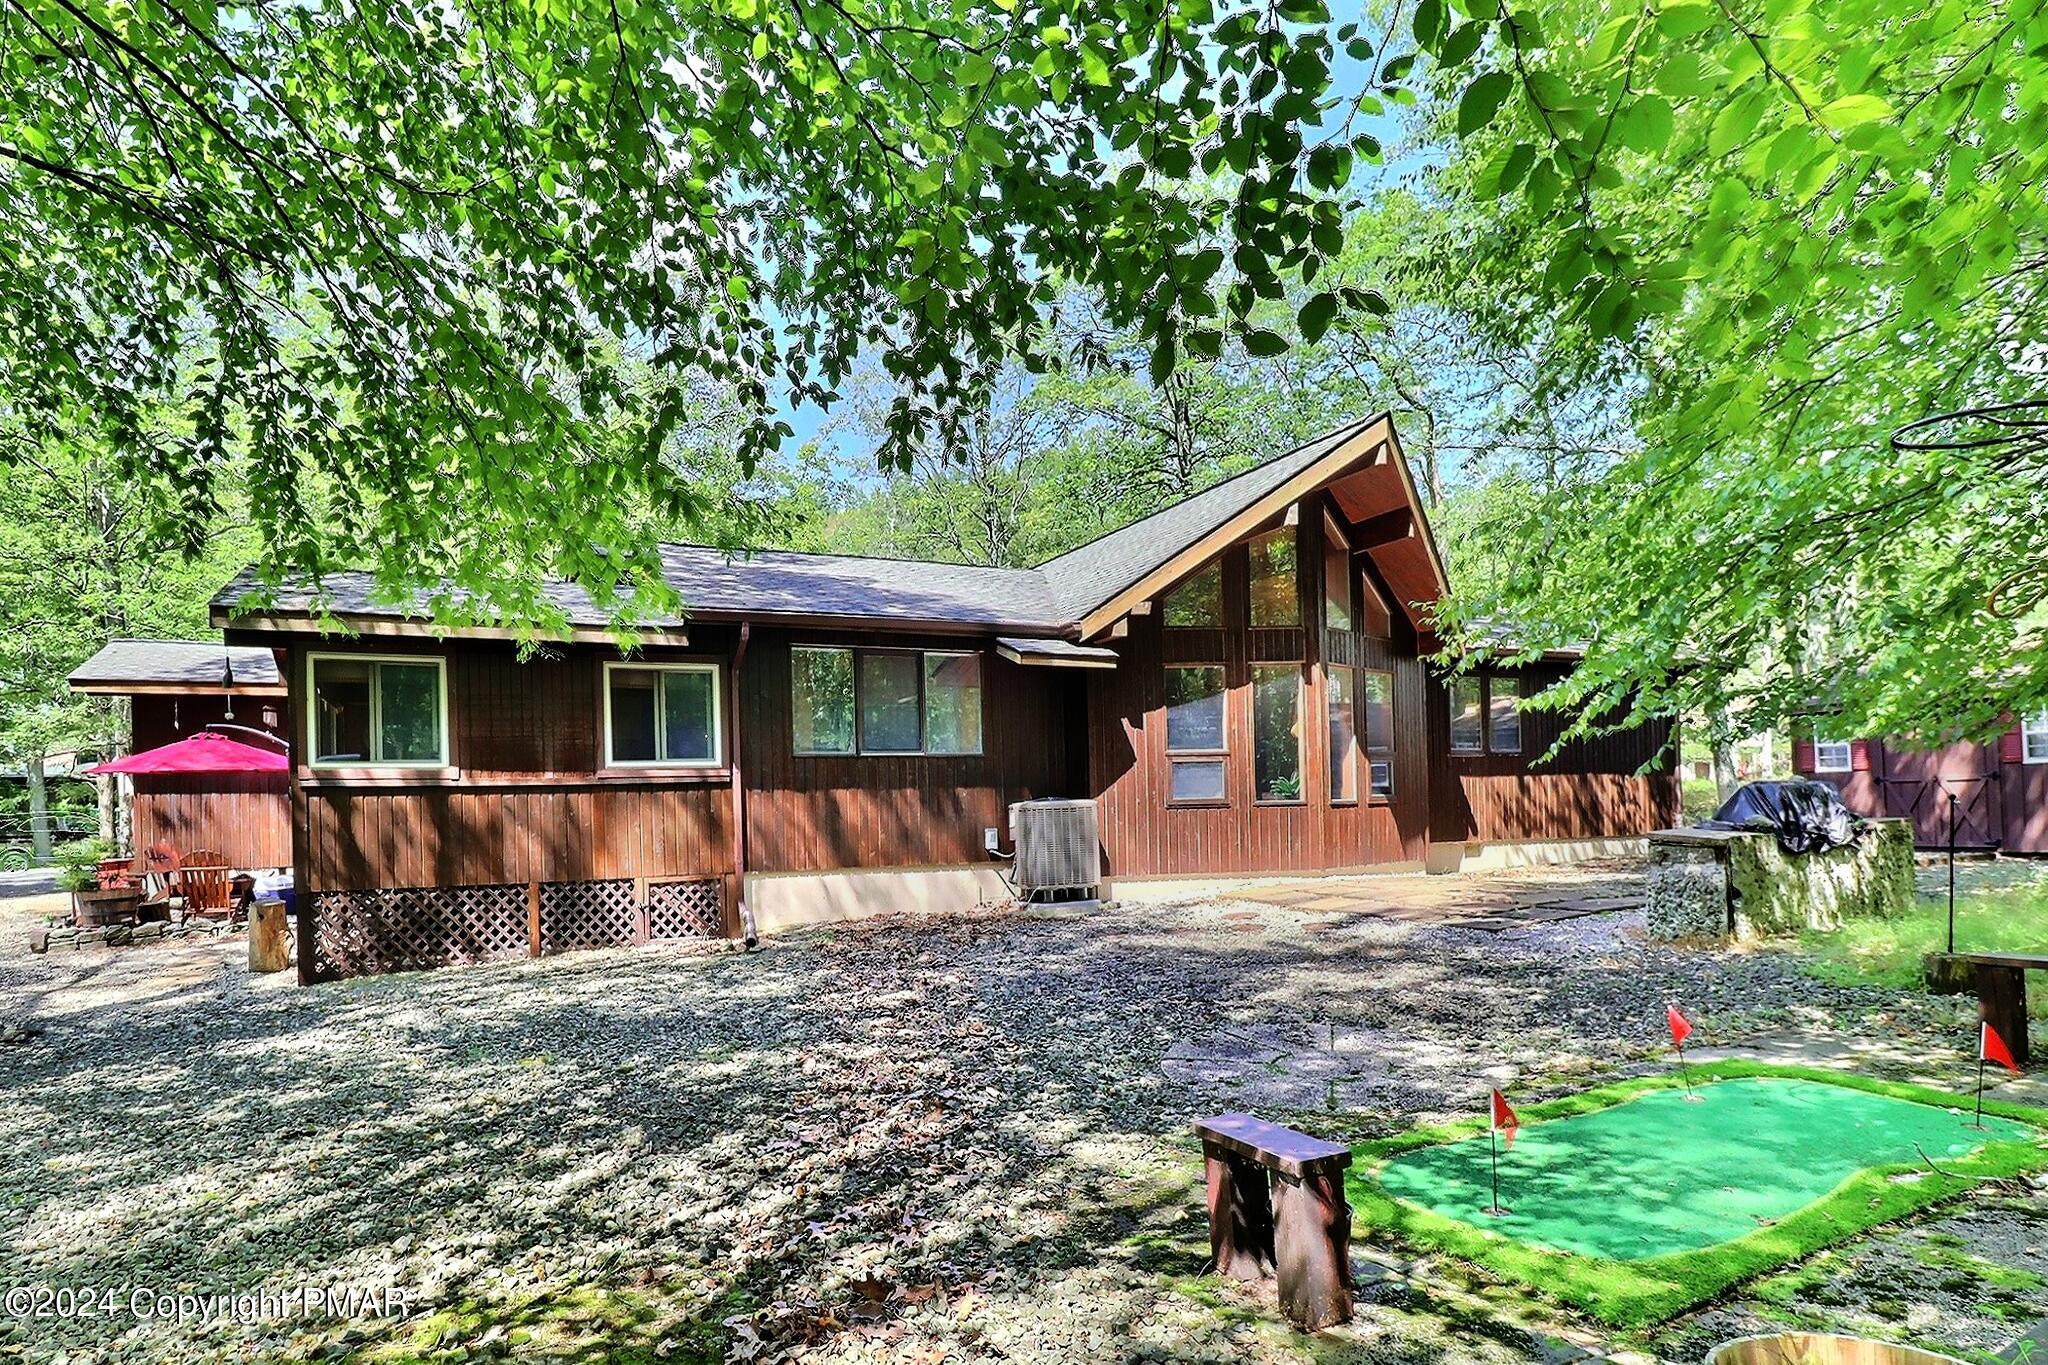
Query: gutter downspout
x=739, y=793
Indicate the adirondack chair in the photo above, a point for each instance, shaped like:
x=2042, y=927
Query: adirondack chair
x=204, y=877
x=159, y=878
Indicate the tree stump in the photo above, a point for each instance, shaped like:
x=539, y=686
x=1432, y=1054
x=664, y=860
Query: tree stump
x=270, y=946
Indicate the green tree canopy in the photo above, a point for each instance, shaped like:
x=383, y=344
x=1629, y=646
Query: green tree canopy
x=388, y=244
x=1800, y=226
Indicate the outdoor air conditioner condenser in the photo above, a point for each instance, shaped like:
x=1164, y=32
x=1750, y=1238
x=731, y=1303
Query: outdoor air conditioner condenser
x=1059, y=854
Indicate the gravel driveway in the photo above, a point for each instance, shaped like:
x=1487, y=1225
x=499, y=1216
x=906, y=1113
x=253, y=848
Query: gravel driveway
x=912, y=1139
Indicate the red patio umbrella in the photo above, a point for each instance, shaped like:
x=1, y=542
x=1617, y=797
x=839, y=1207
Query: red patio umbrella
x=201, y=753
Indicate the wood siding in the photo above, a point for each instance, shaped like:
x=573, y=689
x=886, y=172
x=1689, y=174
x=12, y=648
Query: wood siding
x=2001, y=801
x=1591, y=789
x=1144, y=835
x=810, y=813
x=244, y=817
x=526, y=798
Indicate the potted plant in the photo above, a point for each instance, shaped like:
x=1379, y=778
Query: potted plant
x=94, y=899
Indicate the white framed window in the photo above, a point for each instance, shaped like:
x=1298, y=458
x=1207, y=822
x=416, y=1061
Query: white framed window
x=1468, y=715
x=662, y=716
x=821, y=700
x=377, y=711
x=1831, y=756
x=2034, y=738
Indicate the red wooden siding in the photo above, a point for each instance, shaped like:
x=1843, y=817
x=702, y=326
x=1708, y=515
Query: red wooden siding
x=244, y=817
x=824, y=812
x=527, y=798
x=2001, y=802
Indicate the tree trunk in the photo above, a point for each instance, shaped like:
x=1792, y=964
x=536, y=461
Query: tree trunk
x=1723, y=742
x=39, y=812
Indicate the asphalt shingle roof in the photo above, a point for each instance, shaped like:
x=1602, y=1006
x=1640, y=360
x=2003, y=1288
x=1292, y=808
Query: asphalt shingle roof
x=1049, y=599
x=159, y=663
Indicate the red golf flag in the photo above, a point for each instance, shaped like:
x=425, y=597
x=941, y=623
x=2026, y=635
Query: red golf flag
x=1991, y=1048
x=1681, y=1027
x=1504, y=1121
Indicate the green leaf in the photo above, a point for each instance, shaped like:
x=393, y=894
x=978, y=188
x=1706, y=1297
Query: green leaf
x=1264, y=344
x=1482, y=100
x=1851, y=110
x=1316, y=315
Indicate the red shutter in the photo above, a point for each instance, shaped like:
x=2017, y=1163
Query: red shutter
x=1859, y=755
x=1802, y=755
x=2010, y=746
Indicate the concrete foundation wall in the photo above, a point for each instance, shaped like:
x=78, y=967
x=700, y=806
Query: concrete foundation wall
x=795, y=900
x=1478, y=856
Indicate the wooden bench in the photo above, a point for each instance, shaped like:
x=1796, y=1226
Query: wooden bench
x=2000, y=980
x=1277, y=1206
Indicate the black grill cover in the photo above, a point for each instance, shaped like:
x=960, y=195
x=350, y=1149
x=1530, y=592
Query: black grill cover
x=1807, y=817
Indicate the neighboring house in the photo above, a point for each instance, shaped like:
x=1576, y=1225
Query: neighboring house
x=2000, y=788
x=177, y=689
x=1237, y=682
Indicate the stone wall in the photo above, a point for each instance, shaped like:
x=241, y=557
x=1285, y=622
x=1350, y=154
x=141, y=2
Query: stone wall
x=1735, y=884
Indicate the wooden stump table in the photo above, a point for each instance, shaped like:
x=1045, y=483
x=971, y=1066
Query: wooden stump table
x=2000, y=980
x=1277, y=1208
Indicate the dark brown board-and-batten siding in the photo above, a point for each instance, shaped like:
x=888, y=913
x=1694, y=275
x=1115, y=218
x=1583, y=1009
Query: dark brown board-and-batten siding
x=529, y=799
x=1590, y=790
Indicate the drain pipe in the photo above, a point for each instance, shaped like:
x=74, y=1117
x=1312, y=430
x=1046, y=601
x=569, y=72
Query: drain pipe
x=739, y=790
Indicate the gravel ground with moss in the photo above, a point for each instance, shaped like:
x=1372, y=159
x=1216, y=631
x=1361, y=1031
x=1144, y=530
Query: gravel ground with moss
x=959, y=1138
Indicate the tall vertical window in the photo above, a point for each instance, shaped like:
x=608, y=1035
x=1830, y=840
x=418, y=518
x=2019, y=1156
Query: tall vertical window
x=1374, y=618
x=1275, y=579
x=1342, y=698
x=663, y=715
x=889, y=710
x=1195, y=745
x=381, y=711
x=1504, y=715
x=1468, y=715
x=1377, y=712
x=1337, y=614
x=952, y=703
x=2034, y=738
x=1198, y=602
x=821, y=700
x=1276, y=732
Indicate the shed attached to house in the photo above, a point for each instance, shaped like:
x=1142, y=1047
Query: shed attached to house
x=179, y=688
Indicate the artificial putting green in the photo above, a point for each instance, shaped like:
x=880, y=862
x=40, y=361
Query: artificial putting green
x=1659, y=1205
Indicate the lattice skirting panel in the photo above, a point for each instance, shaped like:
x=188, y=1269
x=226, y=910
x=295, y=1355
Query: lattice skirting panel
x=588, y=915
x=686, y=909
x=360, y=933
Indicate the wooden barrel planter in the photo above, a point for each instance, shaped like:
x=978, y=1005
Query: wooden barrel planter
x=1809, y=1348
x=114, y=905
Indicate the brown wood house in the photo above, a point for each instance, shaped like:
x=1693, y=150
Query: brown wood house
x=2000, y=788
x=1236, y=681
x=179, y=688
